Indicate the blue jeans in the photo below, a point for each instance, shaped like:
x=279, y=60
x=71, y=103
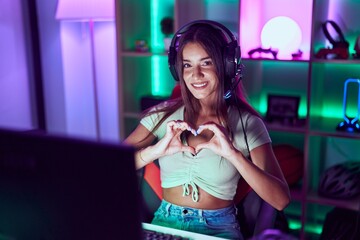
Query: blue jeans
x=220, y=222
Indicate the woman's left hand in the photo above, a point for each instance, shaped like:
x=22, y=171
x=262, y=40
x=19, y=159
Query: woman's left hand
x=220, y=142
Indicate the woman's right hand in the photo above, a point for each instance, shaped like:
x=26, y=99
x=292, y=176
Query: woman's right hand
x=171, y=143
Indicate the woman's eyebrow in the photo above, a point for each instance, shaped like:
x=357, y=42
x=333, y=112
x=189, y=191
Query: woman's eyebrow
x=201, y=59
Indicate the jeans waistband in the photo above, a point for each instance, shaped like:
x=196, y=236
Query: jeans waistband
x=174, y=209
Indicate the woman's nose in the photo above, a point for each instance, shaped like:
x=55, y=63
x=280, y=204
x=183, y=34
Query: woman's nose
x=197, y=72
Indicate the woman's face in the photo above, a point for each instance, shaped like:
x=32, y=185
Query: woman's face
x=199, y=72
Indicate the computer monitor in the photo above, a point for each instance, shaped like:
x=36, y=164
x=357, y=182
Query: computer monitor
x=56, y=187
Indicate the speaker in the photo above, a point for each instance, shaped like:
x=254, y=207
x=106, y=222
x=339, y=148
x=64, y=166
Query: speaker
x=231, y=53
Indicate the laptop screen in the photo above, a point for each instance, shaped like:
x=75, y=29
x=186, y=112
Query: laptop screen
x=54, y=187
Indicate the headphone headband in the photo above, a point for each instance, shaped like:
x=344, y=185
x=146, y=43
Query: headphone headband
x=219, y=26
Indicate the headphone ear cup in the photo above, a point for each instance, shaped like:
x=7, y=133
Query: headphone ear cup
x=229, y=62
x=232, y=65
x=172, y=60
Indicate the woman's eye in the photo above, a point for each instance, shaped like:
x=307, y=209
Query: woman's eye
x=186, y=65
x=207, y=63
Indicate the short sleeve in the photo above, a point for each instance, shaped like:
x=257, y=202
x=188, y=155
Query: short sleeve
x=256, y=131
x=253, y=134
x=151, y=120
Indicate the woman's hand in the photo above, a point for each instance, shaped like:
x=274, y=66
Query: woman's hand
x=220, y=142
x=171, y=143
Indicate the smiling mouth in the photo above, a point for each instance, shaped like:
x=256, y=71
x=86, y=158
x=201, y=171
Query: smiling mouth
x=199, y=85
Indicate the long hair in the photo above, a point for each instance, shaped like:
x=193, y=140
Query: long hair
x=213, y=41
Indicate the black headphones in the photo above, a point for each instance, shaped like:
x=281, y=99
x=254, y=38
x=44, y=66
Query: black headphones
x=340, y=43
x=231, y=59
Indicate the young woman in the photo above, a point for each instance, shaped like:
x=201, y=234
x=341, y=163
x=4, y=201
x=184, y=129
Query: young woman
x=207, y=139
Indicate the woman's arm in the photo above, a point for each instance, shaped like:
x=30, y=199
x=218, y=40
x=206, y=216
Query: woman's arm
x=263, y=173
x=141, y=138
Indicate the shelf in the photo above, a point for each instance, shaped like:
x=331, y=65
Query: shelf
x=254, y=15
x=275, y=60
x=352, y=204
x=336, y=61
x=335, y=134
x=318, y=83
x=314, y=60
x=327, y=127
x=283, y=128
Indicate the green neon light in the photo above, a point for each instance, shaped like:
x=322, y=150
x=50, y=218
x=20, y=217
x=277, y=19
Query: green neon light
x=159, y=67
x=263, y=105
x=334, y=110
x=313, y=228
x=155, y=46
x=310, y=228
x=156, y=37
x=155, y=61
x=155, y=76
x=294, y=225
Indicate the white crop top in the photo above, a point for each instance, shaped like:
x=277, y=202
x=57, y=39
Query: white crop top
x=212, y=173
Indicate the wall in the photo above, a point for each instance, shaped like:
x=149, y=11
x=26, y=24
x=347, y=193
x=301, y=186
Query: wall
x=15, y=97
x=66, y=73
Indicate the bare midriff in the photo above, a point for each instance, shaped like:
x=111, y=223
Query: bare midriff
x=206, y=201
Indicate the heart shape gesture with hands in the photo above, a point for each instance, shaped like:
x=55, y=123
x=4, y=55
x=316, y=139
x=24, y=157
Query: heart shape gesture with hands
x=220, y=142
x=171, y=143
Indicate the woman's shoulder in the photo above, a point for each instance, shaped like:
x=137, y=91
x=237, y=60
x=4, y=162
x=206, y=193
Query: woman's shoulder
x=165, y=107
x=159, y=115
x=162, y=107
x=168, y=109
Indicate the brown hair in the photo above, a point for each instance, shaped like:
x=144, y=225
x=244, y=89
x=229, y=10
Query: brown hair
x=213, y=41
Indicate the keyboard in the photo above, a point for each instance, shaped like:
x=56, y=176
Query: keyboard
x=152, y=232
x=154, y=235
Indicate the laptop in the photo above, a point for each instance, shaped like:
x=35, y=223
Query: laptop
x=57, y=187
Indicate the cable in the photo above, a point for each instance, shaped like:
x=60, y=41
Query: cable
x=242, y=125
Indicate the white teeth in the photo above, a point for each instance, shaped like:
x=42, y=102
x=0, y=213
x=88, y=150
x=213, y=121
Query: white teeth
x=199, y=85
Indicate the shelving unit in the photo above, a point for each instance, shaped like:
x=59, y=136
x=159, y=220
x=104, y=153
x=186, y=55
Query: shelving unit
x=318, y=82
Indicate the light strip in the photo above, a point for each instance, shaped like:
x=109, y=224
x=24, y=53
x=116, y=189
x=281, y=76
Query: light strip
x=155, y=46
x=156, y=38
x=155, y=76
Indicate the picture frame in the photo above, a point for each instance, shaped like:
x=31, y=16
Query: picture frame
x=283, y=109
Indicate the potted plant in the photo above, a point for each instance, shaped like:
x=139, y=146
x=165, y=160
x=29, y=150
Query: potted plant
x=167, y=28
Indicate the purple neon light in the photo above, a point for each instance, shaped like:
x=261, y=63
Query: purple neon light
x=255, y=13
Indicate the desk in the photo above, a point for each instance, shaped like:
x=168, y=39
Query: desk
x=190, y=235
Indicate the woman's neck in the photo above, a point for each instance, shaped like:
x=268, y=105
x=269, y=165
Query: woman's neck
x=207, y=108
